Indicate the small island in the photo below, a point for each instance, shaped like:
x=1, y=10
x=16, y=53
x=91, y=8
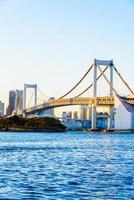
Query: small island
x=35, y=124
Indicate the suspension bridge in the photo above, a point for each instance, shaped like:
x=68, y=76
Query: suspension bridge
x=93, y=101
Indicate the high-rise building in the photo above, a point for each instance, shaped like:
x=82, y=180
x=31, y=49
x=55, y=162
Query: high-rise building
x=84, y=112
x=70, y=115
x=15, y=101
x=11, y=104
x=1, y=109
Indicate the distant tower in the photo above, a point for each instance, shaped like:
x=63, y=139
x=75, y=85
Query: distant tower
x=11, y=105
x=15, y=101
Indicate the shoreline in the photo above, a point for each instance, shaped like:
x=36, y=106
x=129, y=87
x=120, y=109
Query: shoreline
x=112, y=131
x=103, y=130
x=31, y=130
x=63, y=131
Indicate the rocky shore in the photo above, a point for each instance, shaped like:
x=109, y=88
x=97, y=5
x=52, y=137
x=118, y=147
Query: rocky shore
x=20, y=124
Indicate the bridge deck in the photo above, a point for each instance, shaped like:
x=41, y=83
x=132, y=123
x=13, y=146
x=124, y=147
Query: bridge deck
x=99, y=101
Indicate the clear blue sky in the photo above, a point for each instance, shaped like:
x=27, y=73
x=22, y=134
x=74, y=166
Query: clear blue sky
x=51, y=42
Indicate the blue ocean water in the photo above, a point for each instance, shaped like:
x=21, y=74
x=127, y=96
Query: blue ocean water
x=70, y=166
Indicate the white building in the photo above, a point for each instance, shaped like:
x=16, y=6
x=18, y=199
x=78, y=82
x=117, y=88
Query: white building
x=123, y=118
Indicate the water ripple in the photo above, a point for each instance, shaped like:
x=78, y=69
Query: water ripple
x=70, y=166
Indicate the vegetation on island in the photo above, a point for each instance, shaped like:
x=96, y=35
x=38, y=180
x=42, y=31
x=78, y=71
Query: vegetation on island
x=16, y=123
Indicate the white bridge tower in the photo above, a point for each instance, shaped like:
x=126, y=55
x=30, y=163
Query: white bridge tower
x=97, y=65
x=26, y=86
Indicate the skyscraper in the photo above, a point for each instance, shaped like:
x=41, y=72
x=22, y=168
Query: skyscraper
x=15, y=101
x=11, y=105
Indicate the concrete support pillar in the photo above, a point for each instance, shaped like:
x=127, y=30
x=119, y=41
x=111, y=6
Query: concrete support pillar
x=111, y=118
x=93, y=117
x=111, y=109
x=94, y=96
x=111, y=80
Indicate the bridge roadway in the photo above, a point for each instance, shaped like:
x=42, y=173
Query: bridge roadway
x=99, y=101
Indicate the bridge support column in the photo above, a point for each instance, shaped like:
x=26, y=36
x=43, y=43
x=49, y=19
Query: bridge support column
x=93, y=117
x=111, y=109
x=111, y=118
x=94, y=96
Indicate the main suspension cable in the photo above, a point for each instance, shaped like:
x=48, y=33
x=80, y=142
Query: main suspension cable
x=19, y=103
x=91, y=84
x=42, y=93
x=30, y=99
x=105, y=77
x=78, y=82
x=126, y=84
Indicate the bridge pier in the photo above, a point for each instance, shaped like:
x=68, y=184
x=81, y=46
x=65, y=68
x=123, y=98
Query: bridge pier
x=93, y=127
x=111, y=118
x=111, y=108
x=94, y=95
x=96, y=65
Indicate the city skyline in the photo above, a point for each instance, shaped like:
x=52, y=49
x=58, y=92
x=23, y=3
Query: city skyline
x=42, y=39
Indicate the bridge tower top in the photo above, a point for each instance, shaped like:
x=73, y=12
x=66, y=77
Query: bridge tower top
x=103, y=62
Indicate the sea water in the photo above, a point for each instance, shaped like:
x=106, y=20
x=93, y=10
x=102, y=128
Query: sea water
x=70, y=166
